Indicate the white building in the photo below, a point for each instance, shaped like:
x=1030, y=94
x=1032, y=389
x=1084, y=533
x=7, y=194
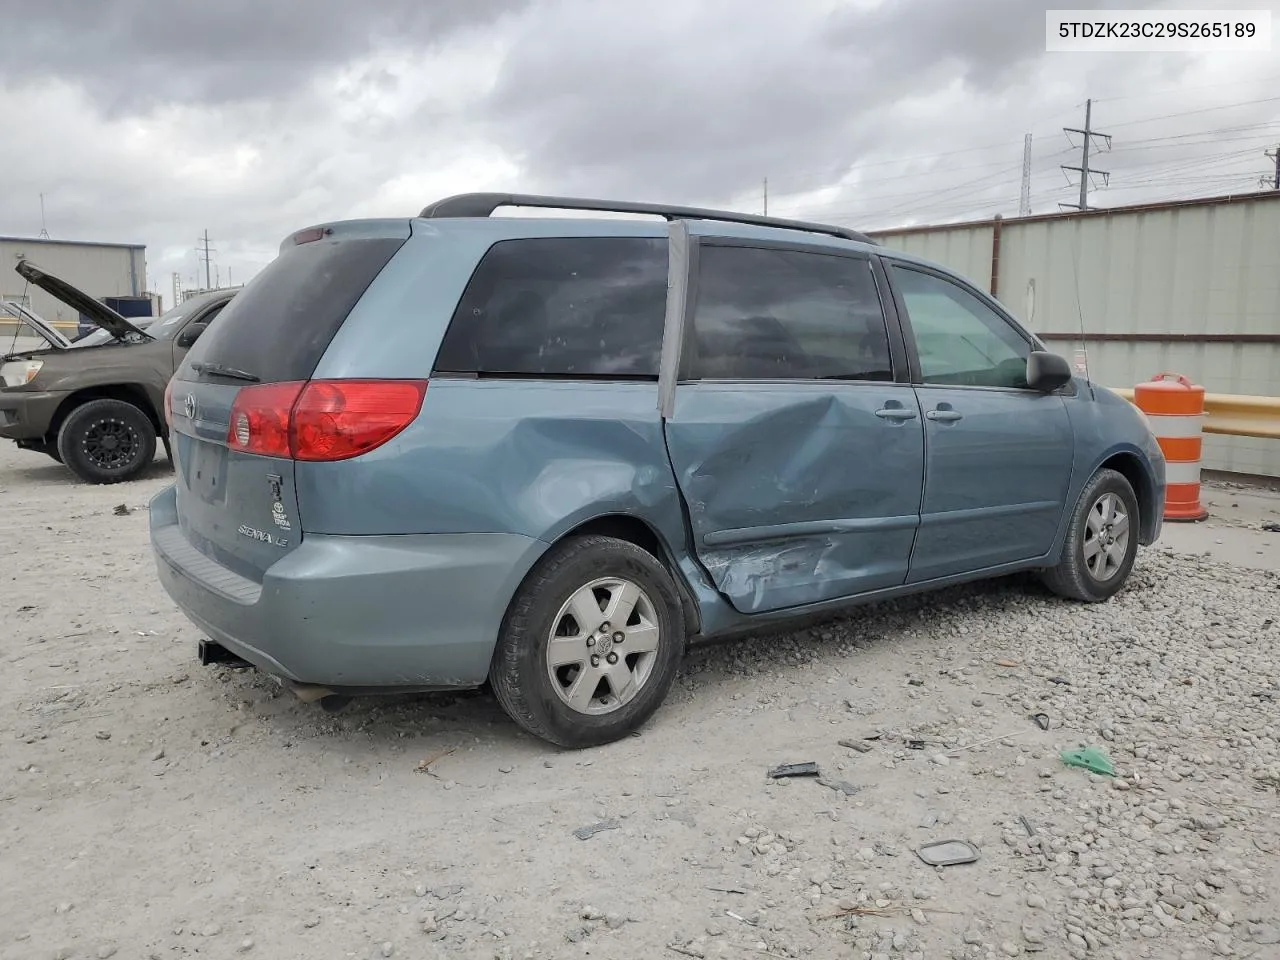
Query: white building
x=99, y=269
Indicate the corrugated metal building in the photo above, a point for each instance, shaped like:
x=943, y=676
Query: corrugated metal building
x=99, y=269
x=1191, y=287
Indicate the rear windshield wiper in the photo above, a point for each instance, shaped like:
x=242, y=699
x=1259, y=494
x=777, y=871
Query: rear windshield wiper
x=219, y=370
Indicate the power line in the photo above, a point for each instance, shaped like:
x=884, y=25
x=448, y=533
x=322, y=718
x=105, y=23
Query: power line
x=1191, y=113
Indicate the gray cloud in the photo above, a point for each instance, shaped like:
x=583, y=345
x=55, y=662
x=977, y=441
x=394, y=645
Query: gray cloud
x=133, y=55
x=686, y=101
x=252, y=122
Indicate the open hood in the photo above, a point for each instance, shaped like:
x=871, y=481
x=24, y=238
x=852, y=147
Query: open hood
x=35, y=322
x=95, y=310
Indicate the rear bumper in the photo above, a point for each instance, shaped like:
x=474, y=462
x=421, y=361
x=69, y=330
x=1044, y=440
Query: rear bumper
x=26, y=414
x=354, y=613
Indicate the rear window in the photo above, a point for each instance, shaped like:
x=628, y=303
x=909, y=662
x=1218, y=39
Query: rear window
x=561, y=306
x=279, y=326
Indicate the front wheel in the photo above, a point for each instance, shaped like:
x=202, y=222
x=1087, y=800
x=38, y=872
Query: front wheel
x=107, y=441
x=590, y=644
x=1101, y=544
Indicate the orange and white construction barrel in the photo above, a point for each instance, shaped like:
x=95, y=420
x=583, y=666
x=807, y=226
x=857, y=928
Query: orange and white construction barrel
x=1175, y=408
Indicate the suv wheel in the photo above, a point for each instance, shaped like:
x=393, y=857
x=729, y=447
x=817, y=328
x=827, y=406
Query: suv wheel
x=590, y=644
x=1101, y=543
x=106, y=441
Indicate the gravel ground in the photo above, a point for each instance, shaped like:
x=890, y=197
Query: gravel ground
x=152, y=808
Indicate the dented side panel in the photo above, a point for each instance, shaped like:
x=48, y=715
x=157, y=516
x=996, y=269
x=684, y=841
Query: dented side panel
x=527, y=457
x=797, y=492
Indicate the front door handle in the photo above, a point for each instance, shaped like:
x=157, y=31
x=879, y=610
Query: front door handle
x=945, y=416
x=895, y=413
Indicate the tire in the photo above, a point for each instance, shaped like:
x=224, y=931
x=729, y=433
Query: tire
x=1095, y=575
x=107, y=441
x=536, y=694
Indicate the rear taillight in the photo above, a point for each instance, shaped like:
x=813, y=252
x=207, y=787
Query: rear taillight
x=260, y=419
x=339, y=419
x=322, y=419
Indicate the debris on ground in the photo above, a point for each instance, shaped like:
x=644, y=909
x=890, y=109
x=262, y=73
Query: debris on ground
x=808, y=769
x=982, y=743
x=424, y=766
x=1089, y=758
x=1041, y=720
x=862, y=746
x=947, y=853
x=589, y=831
x=689, y=951
x=122, y=510
x=839, y=786
x=1007, y=663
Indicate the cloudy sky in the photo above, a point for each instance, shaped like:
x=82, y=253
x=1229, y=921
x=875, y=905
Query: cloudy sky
x=150, y=123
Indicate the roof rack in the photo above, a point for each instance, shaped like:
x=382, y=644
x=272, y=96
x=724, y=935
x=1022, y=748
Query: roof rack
x=483, y=205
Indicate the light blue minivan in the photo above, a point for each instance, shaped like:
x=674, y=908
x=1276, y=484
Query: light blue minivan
x=548, y=453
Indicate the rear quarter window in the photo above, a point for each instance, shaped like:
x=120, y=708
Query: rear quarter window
x=279, y=326
x=562, y=307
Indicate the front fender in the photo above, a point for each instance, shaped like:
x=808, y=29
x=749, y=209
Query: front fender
x=1110, y=431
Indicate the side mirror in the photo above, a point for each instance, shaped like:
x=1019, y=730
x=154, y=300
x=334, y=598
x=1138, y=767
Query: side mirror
x=1047, y=372
x=191, y=334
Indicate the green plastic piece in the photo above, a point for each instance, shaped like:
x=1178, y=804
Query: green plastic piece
x=1090, y=758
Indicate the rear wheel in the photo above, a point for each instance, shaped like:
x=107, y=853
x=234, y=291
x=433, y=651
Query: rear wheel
x=590, y=644
x=107, y=441
x=1101, y=543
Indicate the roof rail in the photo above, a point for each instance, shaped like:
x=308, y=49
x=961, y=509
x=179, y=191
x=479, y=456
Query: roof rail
x=483, y=205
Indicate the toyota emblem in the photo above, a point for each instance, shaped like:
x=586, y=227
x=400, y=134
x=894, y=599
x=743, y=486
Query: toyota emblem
x=189, y=406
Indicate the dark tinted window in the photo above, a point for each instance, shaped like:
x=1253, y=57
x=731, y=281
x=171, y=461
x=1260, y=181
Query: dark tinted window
x=782, y=314
x=280, y=324
x=167, y=329
x=961, y=341
x=591, y=306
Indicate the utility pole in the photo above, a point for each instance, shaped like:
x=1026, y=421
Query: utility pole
x=1024, y=202
x=177, y=289
x=1088, y=133
x=204, y=249
x=766, y=196
x=1275, y=178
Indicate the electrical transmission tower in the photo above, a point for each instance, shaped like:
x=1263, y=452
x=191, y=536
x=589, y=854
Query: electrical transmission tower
x=204, y=250
x=1084, y=169
x=1274, y=179
x=1024, y=202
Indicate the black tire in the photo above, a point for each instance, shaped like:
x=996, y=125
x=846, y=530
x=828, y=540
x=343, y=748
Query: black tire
x=522, y=680
x=1072, y=577
x=107, y=441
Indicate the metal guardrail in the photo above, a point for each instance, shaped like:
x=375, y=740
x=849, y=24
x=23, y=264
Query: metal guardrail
x=1235, y=415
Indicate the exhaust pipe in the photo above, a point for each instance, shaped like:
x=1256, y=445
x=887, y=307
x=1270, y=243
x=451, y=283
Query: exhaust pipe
x=308, y=692
x=329, y=701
